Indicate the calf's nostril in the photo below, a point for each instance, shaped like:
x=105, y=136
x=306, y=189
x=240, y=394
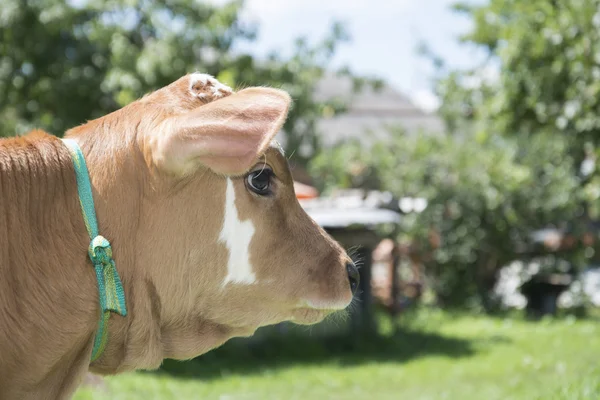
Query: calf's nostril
x=353, y=276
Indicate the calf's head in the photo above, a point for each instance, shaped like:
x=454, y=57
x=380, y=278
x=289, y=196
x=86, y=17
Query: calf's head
x=218, y=231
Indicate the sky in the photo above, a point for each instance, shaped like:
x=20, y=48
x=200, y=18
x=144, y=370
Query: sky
x=385, y=35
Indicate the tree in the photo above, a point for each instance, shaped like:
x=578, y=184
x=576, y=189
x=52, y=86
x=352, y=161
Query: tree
x=547, y=54
x=486, y=195
x=520, y=148
x=547, y=85
x=64, y=62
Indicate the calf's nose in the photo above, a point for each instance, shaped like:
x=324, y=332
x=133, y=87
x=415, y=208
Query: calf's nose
x=353, y=276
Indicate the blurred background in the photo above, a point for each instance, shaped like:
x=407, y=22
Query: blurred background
x=451, y=147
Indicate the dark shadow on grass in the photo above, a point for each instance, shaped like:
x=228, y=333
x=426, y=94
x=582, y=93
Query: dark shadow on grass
x=243, y=357
x=578, y=313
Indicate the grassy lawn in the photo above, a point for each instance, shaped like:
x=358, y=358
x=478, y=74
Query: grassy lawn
x=434, y=356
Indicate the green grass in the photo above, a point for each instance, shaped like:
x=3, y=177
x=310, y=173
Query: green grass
x=434, y=356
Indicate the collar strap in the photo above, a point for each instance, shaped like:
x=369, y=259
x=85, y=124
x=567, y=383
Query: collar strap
x=110, y=289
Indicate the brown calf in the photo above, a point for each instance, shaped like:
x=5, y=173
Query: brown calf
x=208, y=237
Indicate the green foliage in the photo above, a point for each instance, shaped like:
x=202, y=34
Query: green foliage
x=65, y=62
x=524, y=128
x=486, y=194
x=344, y=166
x=548, y=54
x=550, y=77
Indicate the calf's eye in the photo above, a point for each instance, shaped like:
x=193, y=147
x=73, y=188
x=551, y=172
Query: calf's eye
x=259, y=181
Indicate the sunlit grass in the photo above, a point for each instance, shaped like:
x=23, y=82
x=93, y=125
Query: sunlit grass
x=435, y=356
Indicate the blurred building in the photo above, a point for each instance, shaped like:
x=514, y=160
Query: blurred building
x=371, y=114
x=371, y=111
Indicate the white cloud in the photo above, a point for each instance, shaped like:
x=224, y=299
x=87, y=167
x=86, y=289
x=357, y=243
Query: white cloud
x=425, y=99
x=270, y=8
x=283, y=21
x=385, y=35
x=344, y=8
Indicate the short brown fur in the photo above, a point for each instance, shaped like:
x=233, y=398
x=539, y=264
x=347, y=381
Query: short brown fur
x=164, y=227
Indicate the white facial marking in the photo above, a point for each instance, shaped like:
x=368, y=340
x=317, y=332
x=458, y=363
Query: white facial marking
x=216, y=88
x=236, y=235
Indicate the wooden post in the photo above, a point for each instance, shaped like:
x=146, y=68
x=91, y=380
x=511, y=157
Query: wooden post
x=395, y=308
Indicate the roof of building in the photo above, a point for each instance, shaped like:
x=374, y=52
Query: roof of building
x=372, y=111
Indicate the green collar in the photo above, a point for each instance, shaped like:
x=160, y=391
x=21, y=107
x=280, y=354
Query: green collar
x=110, y=289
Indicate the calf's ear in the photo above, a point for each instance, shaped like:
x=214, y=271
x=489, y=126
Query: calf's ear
x=227, y=135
